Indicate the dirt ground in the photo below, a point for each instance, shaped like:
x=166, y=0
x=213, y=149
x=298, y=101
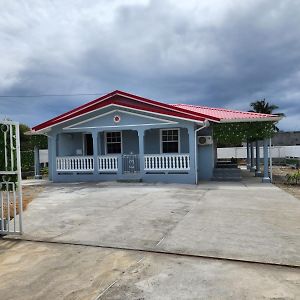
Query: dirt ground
x=29, y=192
x=279, y=179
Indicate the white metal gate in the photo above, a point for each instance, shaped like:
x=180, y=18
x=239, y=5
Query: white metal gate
x=131, y=163
x=10, y=179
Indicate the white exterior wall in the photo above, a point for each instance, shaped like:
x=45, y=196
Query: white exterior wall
x=276, y=151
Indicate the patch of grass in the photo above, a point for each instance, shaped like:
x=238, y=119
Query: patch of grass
x=280, y=175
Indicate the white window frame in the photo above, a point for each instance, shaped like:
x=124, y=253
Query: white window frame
x=161, y=141
x=105, y=142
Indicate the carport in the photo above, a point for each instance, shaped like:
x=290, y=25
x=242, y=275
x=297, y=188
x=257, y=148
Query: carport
x=255, y=135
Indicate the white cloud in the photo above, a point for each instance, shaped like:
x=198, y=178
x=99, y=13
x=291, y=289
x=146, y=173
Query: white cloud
x=219, y=53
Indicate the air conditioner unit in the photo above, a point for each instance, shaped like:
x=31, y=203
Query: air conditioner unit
x=205, y=140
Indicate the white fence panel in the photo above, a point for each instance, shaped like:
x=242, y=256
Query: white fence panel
x=276, y=151
x=107, y=163
x=165, y=162
x=75, y=163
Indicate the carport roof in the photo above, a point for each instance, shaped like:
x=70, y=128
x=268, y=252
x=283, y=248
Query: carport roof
x=182, y=111
x=228, y=115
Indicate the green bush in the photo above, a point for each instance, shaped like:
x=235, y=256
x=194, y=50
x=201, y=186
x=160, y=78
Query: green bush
x=293, y=178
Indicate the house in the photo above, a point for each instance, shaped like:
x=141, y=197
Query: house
x=121, y=136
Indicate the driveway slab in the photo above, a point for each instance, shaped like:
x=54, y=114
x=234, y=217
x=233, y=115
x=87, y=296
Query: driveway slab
x=33, y=271
x=255, y=224
x=243, y=221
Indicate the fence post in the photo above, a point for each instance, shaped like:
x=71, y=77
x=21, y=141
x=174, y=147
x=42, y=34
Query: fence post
x=37, y=169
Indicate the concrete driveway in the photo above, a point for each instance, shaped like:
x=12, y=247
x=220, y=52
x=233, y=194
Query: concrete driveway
x=119, y=241
x=43, y=271
x=245, y=221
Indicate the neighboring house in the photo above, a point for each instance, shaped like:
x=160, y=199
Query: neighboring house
x=121, y=136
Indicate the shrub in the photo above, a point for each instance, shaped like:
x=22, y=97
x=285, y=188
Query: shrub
x=293, y=178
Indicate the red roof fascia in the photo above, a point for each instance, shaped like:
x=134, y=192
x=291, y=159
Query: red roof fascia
x=107, y=99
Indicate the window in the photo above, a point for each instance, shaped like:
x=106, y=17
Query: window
x=170, y=140
x=113, y=142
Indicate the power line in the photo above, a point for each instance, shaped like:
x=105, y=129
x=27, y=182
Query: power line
x=48, y=95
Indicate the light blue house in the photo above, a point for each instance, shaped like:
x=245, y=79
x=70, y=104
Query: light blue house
x=121, y=136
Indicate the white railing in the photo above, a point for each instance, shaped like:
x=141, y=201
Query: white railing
x=75, y=163
x=167, y=162
x=107, y=163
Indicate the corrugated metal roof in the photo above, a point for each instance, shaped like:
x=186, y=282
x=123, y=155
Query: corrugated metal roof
x=222, y=113
x=183, y=111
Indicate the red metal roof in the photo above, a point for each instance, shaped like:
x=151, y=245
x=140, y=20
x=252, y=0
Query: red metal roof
x=224, y=114
x=183, y=111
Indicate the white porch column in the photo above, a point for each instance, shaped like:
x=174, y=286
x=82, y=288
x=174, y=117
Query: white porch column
x=266, y=178
x=141, y=134
x=257, y=171
x=252, y=167
x=248, y=156
x=95, y=151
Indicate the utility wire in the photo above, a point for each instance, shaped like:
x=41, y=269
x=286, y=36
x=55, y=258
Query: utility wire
x=49, y=95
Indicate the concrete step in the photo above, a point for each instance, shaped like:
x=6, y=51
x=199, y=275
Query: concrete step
x=226, y=178
x=227, y=174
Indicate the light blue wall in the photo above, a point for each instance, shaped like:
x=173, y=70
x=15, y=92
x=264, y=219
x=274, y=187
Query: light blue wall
x=184, y=140
x=68, y=143
x=130, y=124
x=152, y=141
x=106, y=118
x=205, y=157
x=130, y=141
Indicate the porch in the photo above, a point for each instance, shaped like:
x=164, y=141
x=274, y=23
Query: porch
x=125, y=163
x=158, y=154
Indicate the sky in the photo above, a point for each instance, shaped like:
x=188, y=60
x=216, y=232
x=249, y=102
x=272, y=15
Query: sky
x=219, y=53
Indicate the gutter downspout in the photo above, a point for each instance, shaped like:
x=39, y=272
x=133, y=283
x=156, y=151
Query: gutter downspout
x=205, y=124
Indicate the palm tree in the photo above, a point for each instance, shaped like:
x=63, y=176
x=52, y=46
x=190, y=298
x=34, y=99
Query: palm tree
x=263, y=107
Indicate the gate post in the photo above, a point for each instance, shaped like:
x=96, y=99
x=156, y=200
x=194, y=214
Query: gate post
x=11, y=180
x=37, y=174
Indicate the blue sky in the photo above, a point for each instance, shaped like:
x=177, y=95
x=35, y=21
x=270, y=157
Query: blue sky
x=215, y=53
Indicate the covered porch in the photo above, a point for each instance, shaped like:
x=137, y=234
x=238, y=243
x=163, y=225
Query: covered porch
x=154, y=153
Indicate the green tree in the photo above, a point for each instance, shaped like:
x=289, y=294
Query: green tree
x=28, y=142
x=264, y=107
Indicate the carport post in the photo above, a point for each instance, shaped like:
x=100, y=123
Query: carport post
x=252, y=167
x=257, y=171
x=266, y=178
x=248, y=156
